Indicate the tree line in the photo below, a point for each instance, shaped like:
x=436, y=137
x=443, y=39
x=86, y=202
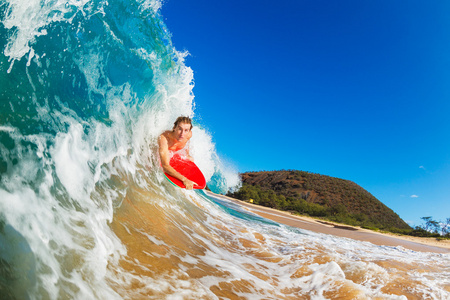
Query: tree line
x=337, y=213
x=299, y=205
x=433, y=228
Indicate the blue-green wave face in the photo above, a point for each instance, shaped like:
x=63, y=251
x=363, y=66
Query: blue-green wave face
x=80, y=61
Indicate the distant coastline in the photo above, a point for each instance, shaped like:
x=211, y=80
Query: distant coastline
x=342, y=230
x=319, y=196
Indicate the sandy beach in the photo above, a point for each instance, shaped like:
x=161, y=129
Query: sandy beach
x=357, y=233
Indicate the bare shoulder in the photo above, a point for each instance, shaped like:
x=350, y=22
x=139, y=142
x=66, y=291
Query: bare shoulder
x=163, y=142
x=164, y=137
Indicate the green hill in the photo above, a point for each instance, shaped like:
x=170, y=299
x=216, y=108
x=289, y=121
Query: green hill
x=319, y=196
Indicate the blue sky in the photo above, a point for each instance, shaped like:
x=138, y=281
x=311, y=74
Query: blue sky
x=352, y=89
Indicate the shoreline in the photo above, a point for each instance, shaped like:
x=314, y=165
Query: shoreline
x=342, y=230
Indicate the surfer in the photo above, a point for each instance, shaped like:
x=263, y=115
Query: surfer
x=176, y=142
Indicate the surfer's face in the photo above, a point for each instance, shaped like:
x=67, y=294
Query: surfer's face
x=181, y=132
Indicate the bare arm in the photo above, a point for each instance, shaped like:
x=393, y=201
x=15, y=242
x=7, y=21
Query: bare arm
x=165, y=163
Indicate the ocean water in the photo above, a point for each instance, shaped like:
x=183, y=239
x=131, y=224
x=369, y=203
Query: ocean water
x=85, y=211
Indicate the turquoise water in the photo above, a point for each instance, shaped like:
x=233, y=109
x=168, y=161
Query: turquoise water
x=85, y=211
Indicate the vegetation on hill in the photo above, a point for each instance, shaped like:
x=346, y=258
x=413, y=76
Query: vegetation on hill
x=320, y=196
x=432, y=228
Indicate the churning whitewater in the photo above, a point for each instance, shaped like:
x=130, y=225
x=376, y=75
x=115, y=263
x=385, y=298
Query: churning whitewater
x=85, y=210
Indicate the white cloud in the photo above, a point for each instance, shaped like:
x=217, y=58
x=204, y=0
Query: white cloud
x=414, y=196
x=422, y=167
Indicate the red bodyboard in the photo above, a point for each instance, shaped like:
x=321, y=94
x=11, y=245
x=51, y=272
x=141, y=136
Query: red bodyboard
x=189, y=170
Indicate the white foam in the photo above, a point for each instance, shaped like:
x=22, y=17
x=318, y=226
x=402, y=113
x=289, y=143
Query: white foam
x=71, y=155
x=30, y=18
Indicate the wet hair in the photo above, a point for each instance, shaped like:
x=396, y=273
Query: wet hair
x=182, y=119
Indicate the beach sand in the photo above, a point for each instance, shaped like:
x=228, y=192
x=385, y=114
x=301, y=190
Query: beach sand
x=357, y=233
